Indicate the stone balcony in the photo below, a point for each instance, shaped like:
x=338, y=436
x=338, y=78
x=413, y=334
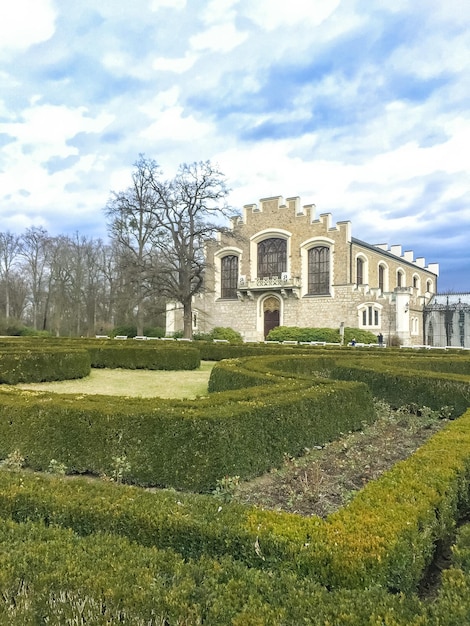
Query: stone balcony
x=285, y=285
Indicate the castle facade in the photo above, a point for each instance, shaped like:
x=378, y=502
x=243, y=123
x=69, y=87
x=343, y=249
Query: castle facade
x=281, y=265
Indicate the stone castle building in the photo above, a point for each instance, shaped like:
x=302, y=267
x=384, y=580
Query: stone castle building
x=281, y=265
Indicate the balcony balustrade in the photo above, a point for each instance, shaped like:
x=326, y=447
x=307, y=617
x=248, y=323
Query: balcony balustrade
x=285, y=285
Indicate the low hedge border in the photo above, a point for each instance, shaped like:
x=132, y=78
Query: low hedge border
x=404, y=513
x=144, y=357
x=49, y=575
x=182, y=444
x=41, y=365
x=385, y=537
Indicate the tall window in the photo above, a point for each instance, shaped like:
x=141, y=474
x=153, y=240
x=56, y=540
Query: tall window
x=272, y=257
x=359, y=271
x=319, y=270
x=399, y=278
x=381, y=277
x=229, y=276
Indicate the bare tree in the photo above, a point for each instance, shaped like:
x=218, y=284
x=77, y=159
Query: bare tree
x=9, y=251
x=188, y=210
x=35, y=251
x=133, y=226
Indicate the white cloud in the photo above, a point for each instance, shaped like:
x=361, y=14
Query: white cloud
x=173, y=125
x=176, y=65
x=431, y=56
x=272, y=14
x=25, y=22
x=219, y=38
x=218, y=11
x=47, y=127
x=40, y=136
x=156, y=5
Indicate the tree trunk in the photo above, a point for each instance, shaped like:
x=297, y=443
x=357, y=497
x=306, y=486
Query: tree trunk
x=188, y=319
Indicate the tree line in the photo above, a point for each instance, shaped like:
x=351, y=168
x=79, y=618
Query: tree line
x=157, y=229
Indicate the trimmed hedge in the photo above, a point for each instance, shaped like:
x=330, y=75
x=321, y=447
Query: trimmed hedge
x=332, y=335
x=41, y=365
x=49, y=575
x=397, y=384
x=385, y=537
x=183, y=444
x=141, y=356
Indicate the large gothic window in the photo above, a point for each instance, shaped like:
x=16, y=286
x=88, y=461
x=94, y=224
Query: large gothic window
x=229, y=276
x=319, y=270
x=272, y=257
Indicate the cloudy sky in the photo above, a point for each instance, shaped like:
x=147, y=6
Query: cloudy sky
x=360, y=107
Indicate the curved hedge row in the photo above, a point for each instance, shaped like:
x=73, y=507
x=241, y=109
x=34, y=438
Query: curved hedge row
x=143, y=356
x=184, y=444
x=385, y=537
x=50, y=575
x=260, y=566
x=41, y=365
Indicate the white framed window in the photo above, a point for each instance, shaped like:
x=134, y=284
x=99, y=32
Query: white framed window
x=362, y=270
x=401, y=278
x=317, y=260
x=383, y=276
x=270, y=253
x=227, y=272
x=370, y=315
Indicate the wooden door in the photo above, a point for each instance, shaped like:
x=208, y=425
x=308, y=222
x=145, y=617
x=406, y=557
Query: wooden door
x=271, y=320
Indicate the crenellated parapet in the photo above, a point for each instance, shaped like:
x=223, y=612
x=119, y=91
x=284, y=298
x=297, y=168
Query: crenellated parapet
x=277, y=203
x=291, y=214
x=408, y=256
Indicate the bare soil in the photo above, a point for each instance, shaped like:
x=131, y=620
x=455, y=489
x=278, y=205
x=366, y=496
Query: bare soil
x=326, y=478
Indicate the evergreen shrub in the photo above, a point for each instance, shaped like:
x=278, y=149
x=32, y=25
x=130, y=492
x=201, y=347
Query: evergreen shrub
x=184, y=444
x=49, y=575
x=329, y=335
x=140, y=355
x=39, y=365
x=385, y=537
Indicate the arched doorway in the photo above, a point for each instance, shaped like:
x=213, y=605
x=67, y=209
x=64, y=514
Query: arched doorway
x=271, y=312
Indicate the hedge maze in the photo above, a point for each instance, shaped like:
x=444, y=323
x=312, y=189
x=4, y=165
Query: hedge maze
x=81, y=551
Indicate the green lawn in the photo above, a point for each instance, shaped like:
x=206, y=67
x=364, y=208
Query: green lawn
x=140, y=383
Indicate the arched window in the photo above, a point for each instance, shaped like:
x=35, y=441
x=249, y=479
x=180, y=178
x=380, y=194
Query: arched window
x=400, y=279
x=319, y=270
x=359, y=271
x=429, y=286
x=272, y=257
x=381, y=277
x=229, y=276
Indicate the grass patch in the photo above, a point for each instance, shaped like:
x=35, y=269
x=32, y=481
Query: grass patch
x=136, y=383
